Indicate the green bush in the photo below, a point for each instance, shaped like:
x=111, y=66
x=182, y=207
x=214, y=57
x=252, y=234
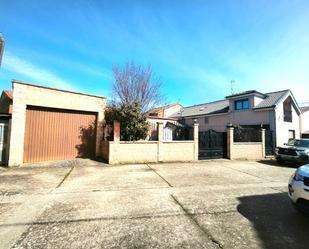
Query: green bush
x=133, y=123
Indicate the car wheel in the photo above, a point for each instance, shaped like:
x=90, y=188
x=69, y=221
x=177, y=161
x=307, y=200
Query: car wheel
x=280, y=161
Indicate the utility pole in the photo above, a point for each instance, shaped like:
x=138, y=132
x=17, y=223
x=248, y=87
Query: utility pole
x=1, y=47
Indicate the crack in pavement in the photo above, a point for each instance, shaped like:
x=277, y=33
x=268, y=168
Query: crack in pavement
x=145, y=216
x=66, y=176
x=170, y=185
x=192, y=218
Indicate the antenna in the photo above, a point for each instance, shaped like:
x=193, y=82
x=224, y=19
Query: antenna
x=232, y=83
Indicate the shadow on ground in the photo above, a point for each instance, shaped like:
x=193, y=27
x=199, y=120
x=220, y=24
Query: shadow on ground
x=276, y=222
x=275, y=163
x=86, y=149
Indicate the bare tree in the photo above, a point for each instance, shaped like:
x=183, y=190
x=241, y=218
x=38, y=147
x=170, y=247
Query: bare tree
x=136, y=84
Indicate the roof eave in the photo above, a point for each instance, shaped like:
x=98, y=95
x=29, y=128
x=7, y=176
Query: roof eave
x=264, y=108
x=201, y=114
x=255, y=93
x=54, y=89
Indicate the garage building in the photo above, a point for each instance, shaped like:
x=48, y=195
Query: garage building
x=50, y=124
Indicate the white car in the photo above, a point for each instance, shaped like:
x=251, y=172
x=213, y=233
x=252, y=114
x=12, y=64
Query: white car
x=299, y=188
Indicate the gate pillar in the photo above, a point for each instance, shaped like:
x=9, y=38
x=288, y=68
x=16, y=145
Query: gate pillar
x=195, y=138
x=230, y=142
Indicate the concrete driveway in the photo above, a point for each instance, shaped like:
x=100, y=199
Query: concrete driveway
x=211, y=204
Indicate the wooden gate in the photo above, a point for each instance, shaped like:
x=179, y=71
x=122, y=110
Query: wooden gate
x=212, y=144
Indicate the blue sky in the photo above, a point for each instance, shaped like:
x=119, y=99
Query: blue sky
x=195, y=47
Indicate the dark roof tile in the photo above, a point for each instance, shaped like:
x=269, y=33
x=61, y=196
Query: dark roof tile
x=271, y=100
x=221, y=106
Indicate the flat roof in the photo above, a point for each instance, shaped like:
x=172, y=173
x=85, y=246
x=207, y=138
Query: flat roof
x=55, y=89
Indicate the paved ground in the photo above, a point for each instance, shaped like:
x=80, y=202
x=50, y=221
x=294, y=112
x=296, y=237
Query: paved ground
x=85, y=204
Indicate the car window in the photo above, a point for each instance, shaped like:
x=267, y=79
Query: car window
x=297, y=142
x=304, y=143
x=292, y=142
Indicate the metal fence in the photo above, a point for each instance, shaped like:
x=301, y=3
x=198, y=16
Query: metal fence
x=247, y=135
x=183, y=133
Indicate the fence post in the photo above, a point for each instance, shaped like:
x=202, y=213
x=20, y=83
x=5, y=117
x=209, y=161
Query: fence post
x=116, y=132
x=230, y=141
x=263, y=142
x=196, y=140
x=160, y=141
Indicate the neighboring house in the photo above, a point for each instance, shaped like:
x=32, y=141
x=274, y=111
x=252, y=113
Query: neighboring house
x=277, y=112
x=41, y=123
x=305, y=121
x=5, y=117
x=1, y=47
x=162, y=115
x=164, y=111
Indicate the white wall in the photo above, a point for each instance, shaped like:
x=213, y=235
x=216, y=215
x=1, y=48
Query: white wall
x=305, y=122
x=257, y=100
x=282, y=127
x=171, y=110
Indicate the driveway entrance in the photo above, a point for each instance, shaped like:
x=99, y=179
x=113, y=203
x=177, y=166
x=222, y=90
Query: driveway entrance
x=212, y=144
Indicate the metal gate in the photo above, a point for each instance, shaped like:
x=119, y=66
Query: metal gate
x=269, y=143
x=212, y=144
x=3, y=141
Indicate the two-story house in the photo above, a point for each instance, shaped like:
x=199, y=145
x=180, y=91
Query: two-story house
x=277, y=112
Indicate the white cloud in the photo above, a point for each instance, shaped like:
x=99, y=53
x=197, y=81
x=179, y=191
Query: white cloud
x=41, y=75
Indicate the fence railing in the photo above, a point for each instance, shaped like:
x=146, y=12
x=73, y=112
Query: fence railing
x=247, y=135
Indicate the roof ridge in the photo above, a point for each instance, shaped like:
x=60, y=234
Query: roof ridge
x=286, y=90
x=9, y=93
x=206, y=103
x=55, y=89
x=164, y=106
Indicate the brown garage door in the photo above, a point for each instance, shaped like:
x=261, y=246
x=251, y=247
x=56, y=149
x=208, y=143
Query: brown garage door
x=55, y=134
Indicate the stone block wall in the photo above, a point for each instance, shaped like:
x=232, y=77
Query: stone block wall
x=119, y=152
x=245, y=150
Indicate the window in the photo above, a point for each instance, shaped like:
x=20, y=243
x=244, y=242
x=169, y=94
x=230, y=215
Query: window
x=291, y=134
x=242, y=104
x=206, y=120
x=299, y=142
x=287, y=110
x=153, y=114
